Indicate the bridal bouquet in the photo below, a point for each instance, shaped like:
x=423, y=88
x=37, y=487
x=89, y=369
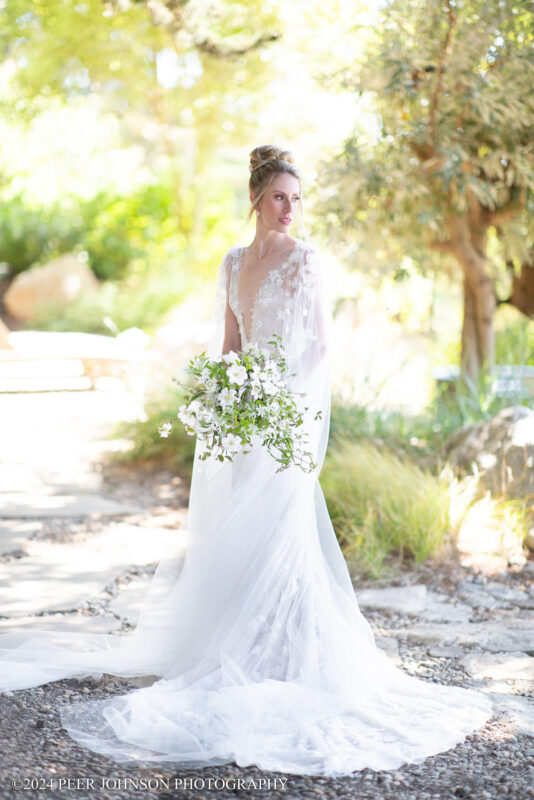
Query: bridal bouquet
x=241, y=396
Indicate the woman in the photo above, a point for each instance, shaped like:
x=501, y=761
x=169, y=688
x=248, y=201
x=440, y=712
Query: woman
x=260, y=650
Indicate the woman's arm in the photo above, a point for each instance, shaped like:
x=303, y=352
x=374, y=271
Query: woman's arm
x=232, y=337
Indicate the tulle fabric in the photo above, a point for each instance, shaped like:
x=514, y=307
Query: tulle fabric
x=260, y=652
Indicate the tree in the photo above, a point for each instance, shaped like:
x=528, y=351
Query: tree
x=451, y=169
x=180, y=79
x=168, y=62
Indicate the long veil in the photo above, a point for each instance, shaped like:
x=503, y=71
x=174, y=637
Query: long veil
x=262, y=654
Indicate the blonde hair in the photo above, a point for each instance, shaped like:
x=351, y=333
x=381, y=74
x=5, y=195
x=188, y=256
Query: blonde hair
x=266, y=162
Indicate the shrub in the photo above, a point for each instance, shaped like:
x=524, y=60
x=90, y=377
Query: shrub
x=176, y=451
x=383, y=507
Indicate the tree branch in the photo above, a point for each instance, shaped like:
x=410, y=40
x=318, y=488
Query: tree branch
x=207, y=45
x=446, y=49
x=443, y=247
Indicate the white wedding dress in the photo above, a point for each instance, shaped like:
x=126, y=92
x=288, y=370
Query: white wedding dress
x=261, y=653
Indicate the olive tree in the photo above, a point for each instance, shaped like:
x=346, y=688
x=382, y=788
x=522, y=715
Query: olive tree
x=450, y=171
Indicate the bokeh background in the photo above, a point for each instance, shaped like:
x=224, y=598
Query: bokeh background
x=126, y=128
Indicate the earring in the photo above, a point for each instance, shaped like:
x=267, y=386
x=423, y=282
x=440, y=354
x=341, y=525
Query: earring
x=257, y=213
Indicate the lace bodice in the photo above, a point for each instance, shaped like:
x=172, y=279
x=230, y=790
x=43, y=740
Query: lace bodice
x=267, y=312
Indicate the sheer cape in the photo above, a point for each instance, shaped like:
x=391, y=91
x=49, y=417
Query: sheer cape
x=261, y=653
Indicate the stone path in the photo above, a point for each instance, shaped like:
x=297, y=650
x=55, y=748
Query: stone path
x=79, y=541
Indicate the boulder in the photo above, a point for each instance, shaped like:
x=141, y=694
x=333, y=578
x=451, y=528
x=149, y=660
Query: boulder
x=55, y=283
x=502, y=449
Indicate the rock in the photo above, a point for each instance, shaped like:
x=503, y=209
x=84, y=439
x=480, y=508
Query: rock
x=53, y=284
x=390, y=646
x=515, y=634
x=416, y=601
x=405, y=599
x=61, y=577
x=128, y=603
x=502, y=448
x=518, y=710
x=62, y=505
x=82, y=623
x=476, y=596
x=446, y=651
x=15, y=534
x=515, y=597
x=493, y=595
x=500, y=666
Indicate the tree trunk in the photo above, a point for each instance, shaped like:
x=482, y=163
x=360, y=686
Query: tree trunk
x=522, y=296
x=470, y=350
x=478, y=332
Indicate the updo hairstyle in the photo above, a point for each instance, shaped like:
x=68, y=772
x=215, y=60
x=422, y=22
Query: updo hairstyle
x=266, y=162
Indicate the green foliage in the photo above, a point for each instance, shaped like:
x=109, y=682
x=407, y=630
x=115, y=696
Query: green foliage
x=451, y=88
x=148, y=247
x=117, y=232
x=514, y=340
x=178, y=72
x=390, y=498
x=133, y=232
x=145, y=442
x=455, y=405
x=243, y=396
x=120, y=305
x=465, y=402
x=383, y=507
x=28, y=234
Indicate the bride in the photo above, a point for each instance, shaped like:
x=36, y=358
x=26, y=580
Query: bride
x=258, y=650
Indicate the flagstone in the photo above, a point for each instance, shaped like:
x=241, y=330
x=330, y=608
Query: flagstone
x=56, y=576
x=416, y=601
x=500, y=666
x=82, y=623
x=15, y=534
x=17, y=506
x=518, y=710
x=510, y=634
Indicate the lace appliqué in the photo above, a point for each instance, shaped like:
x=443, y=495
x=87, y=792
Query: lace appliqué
x=272, y=310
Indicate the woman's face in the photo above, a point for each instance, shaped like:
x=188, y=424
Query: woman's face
x=279, y=203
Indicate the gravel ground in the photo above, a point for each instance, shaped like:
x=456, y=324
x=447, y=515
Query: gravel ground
x=490, y=764
x=45, y=763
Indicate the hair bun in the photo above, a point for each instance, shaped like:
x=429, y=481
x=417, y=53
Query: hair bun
x=267, y=153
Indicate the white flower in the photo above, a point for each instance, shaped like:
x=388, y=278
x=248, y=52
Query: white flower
x=194, y=406
x=202, y=446
x=231, y=357
x=226, y=397
x=206, y=415
x=211, y=385
x=236, y=374
x=204, y=375
x=231, y=442
x=269, y=387
x=164, y=429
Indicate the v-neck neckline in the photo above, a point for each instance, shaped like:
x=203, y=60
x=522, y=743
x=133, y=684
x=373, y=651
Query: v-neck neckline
x=259, y=287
